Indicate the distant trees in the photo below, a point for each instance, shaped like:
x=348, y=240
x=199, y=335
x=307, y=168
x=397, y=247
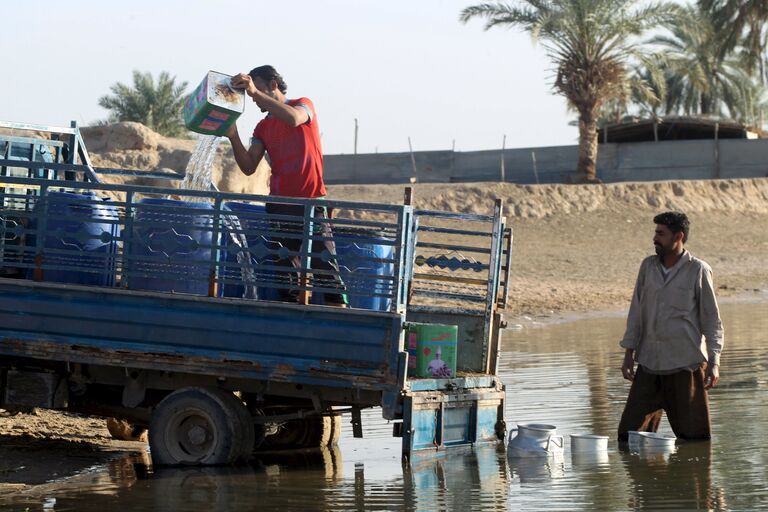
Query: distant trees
x=155, y=105
x=742, y=23
x=593, y=44
x=703, y=75
x=700, y=73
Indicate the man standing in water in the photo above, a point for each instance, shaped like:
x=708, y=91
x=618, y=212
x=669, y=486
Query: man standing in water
x=290, y=135
x=675, y=334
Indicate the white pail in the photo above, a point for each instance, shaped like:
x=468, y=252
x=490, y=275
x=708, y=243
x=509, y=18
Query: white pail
x=588, y=443
x=656, y=440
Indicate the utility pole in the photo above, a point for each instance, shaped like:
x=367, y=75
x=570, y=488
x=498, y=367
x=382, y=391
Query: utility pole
x=355, y=135
x=413, y=158
x=503, y=145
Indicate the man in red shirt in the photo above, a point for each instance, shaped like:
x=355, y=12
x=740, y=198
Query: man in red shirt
x=289, y=134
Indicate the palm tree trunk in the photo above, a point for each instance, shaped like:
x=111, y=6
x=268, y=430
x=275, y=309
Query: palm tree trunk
x=586, y=170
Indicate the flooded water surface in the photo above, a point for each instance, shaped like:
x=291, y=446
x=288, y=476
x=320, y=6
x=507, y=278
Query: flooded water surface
x=565, y=374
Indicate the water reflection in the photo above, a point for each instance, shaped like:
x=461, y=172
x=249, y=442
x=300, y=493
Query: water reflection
x=677, y=478
x=295, y=480
x=537, y=470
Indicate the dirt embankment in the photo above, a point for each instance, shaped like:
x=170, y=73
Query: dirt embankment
x=134, y=146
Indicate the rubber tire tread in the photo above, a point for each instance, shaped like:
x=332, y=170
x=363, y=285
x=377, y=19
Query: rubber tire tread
x=310, y=432
x=247, y=432
x=225, y=417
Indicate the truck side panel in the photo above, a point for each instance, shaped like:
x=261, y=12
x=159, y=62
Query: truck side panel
x=254, y=339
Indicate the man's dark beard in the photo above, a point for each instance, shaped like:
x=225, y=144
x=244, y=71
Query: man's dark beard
x=659, y=250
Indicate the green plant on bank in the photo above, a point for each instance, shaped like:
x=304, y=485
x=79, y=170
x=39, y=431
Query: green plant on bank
x=157, y=106
x=593, y=45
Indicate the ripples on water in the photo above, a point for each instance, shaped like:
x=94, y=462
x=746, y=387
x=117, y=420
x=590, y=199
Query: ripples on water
x=564, y=374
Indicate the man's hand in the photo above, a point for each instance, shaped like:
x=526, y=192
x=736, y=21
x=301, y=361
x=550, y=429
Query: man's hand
x=244, y=81
x=712, y=376
x=628, y=367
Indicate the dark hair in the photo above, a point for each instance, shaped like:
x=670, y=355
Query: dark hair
x=676, y=222
x=268, y=73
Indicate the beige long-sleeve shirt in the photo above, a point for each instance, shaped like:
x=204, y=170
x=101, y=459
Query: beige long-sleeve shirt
x=674, y=321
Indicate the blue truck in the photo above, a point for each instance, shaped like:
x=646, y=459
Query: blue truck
x=166, y=308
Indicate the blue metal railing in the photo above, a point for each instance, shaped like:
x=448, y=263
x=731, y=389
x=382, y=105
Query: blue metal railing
x=135, y=237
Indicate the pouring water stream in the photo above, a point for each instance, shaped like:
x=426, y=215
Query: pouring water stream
x=197, y=176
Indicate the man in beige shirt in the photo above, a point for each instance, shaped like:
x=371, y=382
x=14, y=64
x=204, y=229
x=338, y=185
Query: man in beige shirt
x=675, y=334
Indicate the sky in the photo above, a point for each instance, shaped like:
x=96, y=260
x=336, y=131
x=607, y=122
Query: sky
x=403, y=68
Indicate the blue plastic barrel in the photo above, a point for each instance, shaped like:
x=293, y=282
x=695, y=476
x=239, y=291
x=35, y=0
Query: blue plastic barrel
x=170, y=250
x=80, y=238
x=357, y=253
x=253, y=222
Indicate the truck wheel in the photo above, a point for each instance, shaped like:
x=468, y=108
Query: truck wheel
x=203, y=426
x=309, y=432
x=125, y=431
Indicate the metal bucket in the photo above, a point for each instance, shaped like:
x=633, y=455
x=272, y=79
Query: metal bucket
x=656, y=440
x=588, y=443
x=534, y=440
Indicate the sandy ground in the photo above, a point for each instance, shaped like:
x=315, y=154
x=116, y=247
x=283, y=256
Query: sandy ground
x=576, y=251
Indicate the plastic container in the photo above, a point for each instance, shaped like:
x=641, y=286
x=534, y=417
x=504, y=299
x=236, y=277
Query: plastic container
x=253, y=222
x=171, y=249
x=358, y=254
x=213, y=107
x=432, y=350
x=80, y=237
x=588, y=443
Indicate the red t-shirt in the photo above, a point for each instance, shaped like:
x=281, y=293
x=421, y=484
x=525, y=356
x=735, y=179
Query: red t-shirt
x=295, y=154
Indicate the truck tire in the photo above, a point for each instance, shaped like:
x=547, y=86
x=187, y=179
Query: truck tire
x=125, y=431
x=200, y=426
x=310, y=432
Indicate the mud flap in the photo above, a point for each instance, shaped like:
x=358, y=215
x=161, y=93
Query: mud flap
x=455, y=416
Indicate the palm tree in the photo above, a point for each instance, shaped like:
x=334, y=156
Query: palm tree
x=703, y=75
x=157, y=107
x=592, y=44
x=742, y=23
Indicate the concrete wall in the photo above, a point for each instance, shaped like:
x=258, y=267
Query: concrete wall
x=641, y=161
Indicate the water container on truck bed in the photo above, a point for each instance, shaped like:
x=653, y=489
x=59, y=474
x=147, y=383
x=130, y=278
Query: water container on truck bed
x=171, y=246
x=253, y=222
x=362, y=258
x=81, y=234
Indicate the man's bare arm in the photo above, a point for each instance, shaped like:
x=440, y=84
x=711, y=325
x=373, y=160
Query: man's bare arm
x=247, y=159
